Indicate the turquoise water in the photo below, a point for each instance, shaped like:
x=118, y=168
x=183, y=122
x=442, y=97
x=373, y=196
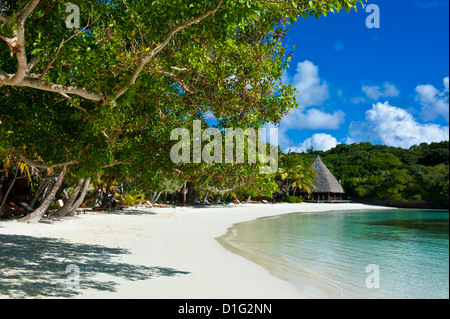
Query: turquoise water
x=326, y=255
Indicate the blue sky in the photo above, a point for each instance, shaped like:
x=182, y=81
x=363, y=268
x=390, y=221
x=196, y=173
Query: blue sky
x=386, y=86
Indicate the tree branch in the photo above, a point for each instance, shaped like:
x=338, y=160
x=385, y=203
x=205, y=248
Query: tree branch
x=34, y=83
x=4, y=39
x=75, y=105
x=3, y=19
x=23, y=157
x=23, y=15
x=32, y=64
x=21, y=154
x=117, y=163
x=22, y=79
x=161, y=46
x=59, y=50
x=176, y=79
x=179, y=69
x=17, y=45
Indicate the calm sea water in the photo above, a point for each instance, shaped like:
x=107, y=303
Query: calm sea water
x=363, y=254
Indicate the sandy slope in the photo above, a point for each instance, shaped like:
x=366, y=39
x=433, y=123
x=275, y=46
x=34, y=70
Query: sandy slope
x=141, y=253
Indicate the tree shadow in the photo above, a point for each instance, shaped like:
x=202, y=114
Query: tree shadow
x=128, y=211
x=33, y=267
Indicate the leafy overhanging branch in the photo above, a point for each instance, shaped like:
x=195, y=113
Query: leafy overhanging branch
x=24, y=79
x=24, y=158
x=17, y=43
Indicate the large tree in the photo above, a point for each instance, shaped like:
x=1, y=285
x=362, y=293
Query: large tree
x=111, y=90
x=122, y=45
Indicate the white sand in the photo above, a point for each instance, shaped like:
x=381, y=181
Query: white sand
x=165, y=253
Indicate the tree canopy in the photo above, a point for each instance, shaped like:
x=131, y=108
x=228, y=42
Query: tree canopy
x=106, y=94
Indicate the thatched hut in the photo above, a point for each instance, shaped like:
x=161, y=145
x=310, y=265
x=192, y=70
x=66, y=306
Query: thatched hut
x=326, y=185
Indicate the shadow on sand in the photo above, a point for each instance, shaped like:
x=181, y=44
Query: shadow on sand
x=129, y=211
x=32, y=267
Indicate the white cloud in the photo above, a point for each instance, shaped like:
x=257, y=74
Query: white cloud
x=313, y=119
x=360, y=132
x=434, y=103
x=319, y=142
x=394, y=126
x=358, y=100
x=312, y=91
x=376, y=92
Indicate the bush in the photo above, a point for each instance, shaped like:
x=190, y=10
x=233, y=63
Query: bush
x=89, y=202
x=292, y=199
x=53, y=206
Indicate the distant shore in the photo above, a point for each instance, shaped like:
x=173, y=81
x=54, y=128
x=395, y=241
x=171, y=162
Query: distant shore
x=421, y=204
x=161, y=253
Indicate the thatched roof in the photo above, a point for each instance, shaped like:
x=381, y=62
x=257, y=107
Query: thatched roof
x=325, y=182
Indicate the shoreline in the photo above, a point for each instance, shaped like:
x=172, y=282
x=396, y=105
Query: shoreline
x=281, y=269
x=159, y=253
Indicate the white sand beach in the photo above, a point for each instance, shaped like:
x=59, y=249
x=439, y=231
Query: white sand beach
x=169, y=253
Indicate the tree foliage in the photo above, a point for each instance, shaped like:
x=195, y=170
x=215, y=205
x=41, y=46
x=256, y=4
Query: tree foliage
x=381, y=172
x=103, y=97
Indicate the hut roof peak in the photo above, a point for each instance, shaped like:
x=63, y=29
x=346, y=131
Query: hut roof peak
x=325, y=182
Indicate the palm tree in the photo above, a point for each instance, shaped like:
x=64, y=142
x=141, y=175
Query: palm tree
x=304, y=180
x=288, y=163
x=293, y=170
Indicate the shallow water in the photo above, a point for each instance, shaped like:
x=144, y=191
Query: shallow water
x=360, y=254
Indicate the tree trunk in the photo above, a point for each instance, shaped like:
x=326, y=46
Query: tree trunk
x=44, y=182
x=61, y=189
x=9, y=189
x=2, y=182
x=81, y=198
x=68, y=204
x=184, y=192
x=66, y=193
x=124, y=188
x=49, y=186
x=190, y=196
x=98, y=195
x=106, y=198
x=38, y=213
